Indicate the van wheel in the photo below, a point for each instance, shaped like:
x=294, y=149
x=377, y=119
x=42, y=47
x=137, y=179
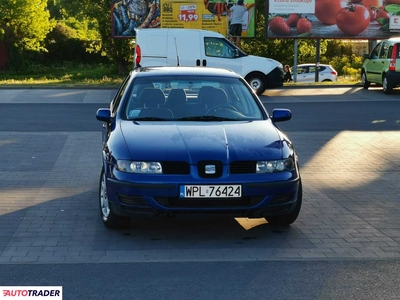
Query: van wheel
x=286, y=220
x=365, y=83
x=257, y=82
x=387, y=86
x=110, y=219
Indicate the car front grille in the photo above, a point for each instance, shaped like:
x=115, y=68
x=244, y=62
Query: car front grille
x=282, y=198
x=176, y=202
x=175, y=167
x=183, y=168
x=243, y=167
x=132, y=200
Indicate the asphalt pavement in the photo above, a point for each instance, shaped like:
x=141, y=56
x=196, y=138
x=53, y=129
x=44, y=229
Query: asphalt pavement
x=49, y=182
x=344, y=245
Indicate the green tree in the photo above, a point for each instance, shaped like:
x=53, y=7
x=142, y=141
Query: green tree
x=24, y=24
x=98, y=12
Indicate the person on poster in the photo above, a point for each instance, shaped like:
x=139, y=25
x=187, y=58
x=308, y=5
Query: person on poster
x=235, y=29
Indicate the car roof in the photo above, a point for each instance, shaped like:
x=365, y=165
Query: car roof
x=180, y=70
x=325, y=65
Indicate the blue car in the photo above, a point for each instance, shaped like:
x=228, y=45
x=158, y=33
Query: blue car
x=184, y=140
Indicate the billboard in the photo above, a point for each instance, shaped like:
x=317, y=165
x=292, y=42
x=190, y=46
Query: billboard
x=333, y=19
x=211, y=15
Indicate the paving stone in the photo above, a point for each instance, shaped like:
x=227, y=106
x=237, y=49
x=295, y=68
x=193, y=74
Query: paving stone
x=49, y=211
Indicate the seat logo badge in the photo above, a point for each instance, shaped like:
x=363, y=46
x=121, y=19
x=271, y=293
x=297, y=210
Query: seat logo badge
x=210, y=169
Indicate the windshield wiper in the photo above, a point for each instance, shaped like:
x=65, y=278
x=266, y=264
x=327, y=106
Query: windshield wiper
x=206, y=118
x=149, y=119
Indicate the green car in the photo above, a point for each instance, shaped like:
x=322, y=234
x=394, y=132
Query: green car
x=382, y=65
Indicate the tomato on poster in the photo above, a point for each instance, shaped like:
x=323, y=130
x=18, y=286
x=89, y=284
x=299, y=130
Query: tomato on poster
x=326, y=10
x=353, y=19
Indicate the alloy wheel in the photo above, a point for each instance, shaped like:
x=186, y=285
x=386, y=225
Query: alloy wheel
x=105, y=208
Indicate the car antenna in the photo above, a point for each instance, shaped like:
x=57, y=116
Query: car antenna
x=177, y=55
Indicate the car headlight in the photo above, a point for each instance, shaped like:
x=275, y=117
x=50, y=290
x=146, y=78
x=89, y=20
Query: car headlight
x=273, y=166
x=142, y=167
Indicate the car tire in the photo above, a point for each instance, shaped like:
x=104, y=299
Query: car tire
x=257, y=82
x=110, y=219
x=365, y=83
x=286, y=220
x=387, y=86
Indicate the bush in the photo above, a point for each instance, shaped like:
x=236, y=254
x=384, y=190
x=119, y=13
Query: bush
x=347, y=65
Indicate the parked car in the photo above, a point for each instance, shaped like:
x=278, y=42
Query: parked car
x=306, y=73
x=382, y=65
x=195, y=140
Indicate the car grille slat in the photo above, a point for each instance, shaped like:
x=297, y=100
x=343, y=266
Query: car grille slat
x=243, y=167
x=175, y=167
x=132, y=200
x=176, y=202
x=282, y=198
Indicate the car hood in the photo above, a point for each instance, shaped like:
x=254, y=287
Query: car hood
x=195, y=141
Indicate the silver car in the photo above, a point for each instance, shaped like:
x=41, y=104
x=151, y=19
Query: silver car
x=307, y=72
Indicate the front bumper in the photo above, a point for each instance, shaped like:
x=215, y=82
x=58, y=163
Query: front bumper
x=259, y=199
x=275, y=78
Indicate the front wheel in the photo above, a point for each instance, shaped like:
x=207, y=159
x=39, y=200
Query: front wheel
x=289, y=218
x=387, y=86
x=364, y=81
x=110, y=219
x=257, y=82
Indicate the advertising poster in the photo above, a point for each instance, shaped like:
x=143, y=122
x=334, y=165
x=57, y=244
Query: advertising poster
x=127, y=15
x=197, y=14
x=341, y=19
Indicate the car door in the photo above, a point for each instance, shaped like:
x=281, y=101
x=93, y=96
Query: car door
x=220, y=53
x=383, y=60
x=303, y=74
x=373, y=64
x=114, y=105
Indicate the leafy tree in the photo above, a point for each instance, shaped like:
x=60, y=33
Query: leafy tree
x=97, y=13
x=24, y=24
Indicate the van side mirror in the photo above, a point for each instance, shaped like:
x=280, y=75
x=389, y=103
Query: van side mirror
x=236, y=52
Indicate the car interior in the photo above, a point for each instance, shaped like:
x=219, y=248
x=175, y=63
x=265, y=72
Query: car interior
x=179, y=99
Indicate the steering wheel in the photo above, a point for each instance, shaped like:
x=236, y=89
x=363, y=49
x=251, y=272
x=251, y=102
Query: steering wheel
x=219, y=107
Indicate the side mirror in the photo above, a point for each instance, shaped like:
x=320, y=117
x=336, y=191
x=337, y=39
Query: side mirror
x=236, y=53
x=366, y=55
x=281, y=114
x=103, y=114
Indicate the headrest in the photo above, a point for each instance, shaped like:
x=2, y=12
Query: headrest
x=211, y=96
x=151, y=97
x=176, y=97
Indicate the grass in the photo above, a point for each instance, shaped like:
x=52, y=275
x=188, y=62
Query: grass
x=63, y=75
x=84, y=75
x=342, y=80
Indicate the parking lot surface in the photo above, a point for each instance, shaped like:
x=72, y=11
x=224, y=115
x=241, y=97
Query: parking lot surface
x=49, y=210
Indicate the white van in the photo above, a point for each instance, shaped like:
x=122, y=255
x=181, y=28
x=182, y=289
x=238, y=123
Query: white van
x=195, y=47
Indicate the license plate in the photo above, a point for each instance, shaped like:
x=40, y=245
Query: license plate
x=210, y=191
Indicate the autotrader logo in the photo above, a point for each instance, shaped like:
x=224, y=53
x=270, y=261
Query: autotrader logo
x=31, y=292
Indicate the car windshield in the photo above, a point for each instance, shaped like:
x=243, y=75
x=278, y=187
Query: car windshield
x=191, y=98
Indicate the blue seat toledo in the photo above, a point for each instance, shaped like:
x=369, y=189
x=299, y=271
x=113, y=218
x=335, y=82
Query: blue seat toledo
x=182, y=140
